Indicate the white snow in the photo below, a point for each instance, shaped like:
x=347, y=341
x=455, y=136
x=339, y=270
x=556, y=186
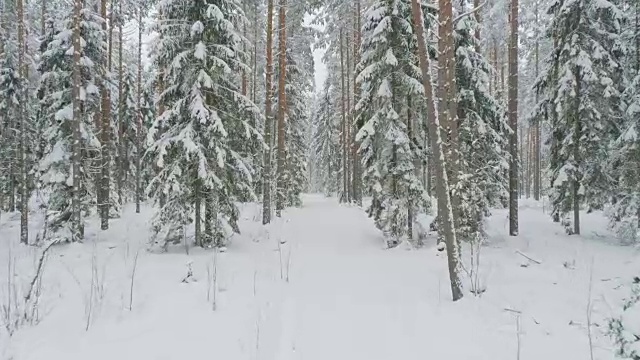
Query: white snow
x=316, y=285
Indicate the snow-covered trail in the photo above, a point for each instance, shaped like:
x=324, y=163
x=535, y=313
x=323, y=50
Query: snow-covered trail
x=347, y=298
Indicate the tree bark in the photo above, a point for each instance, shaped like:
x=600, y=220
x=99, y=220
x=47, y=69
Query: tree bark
x=349, y=124
x=139, y=117
x=537, y=171
x=266, y=189
x=343, y=132
x=577, y=134
x=440, y=163
x=76, y=220
x=105, y=121
x=23, y=89
x=513, y=120
x=357, y=172
x=282, y=108
x=122, y=158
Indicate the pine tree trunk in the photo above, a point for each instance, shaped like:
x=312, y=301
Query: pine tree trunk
x=244, y=50
x=120, y=181
x=513, y=120
x=76, y=220
x=357, y=175
x=343, y=126
x=198, y=216
x=105, y=122
x=282, y=109
x=139, y=116
x=266, y=174
x=349, y=124
x=43, y=17
x=577, y=134
x=22, y=70
x=255, y=53
x=537, y=171
x=161, y=105
x=411, y=147
x=440, y=163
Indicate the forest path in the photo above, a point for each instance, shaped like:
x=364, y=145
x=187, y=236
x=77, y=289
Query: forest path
x=346, y=297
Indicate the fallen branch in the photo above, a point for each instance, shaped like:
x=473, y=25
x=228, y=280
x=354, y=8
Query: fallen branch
x=39, y=270
x=513, y=310
x=528, y=257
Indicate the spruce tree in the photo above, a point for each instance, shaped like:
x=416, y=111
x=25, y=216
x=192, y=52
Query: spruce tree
x=389, y=79
x=201, y=50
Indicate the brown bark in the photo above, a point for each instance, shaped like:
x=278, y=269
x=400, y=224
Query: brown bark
x=349, y=124
x=537, y=171
x=577, y=134
x=139, y=117
x=282, y=108
x=357, y=176
x=266, y=189
x=105, y=136
x=343, y=126
x=244, y=50
x=440, y=163
x=22, y=158
x=76, y=225
x=122, y=157
x=513, y=120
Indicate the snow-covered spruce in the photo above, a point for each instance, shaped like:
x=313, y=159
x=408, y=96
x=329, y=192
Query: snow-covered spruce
x=390, y=81
x=54, y=163
x=581, y=96
x=625, y=329
x=196, y=142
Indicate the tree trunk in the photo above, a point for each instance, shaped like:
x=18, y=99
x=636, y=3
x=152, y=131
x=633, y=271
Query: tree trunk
x=255, y=53
x=266, y=189
x=244, y=50
x=105, y=121
x=513, y=120
x=122, y=158
x=349, y=124
x=43, y=17
x=343, y=135
x=440, y=163
x=537, y=182
x=22, y=71
x=198, y=215
x=282, y=109
x=139, y=116
x=412, y=150
x=447, y=96
x=576, y=155
x=357, y=176
x=76, y=220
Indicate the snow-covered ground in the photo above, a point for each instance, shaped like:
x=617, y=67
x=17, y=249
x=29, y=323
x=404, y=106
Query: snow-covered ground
x=317, y=285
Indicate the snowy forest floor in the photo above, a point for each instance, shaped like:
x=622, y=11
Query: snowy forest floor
x=329, y=291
